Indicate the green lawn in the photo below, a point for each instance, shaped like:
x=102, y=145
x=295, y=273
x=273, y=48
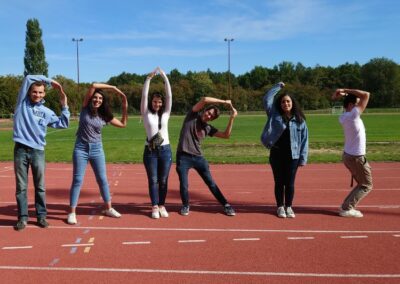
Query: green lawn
x=326, y=140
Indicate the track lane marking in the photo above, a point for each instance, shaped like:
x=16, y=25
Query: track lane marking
x=247, y=239
x=191, y=241
x=77, y=245
x=353, y=237
x=204, y=272
x=14, y=248
x=222, y=230
x=137, y=243
x=300, y=238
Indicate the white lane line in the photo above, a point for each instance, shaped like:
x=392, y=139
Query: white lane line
x=191, y=241
x=396, y=236
x=22, y=247
x=76, y=245
x=353, y=237
x=247, y=239
x=204, y=272
x=218, y=230
x=300, y=238
x=136, y=243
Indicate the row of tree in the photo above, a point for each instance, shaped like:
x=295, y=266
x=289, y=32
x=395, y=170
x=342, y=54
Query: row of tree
x=312, y=86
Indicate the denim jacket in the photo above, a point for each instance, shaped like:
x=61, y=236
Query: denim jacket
x=275, y=126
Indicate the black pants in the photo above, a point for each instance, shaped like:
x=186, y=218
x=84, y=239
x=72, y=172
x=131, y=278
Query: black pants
x=284, y=169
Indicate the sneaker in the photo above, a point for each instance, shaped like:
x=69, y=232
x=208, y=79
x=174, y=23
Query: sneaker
x=112, y=213
x=350, y=213
x=185, y=210
x=43, y=223
x=72, y=219
x=163, y=212
x=281, y=212
x=155, y=212
x=21, y=224
x=229, y=210
x=290, y=212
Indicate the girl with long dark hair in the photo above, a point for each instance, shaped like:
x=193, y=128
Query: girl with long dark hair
x=286, y=135
x=157, y=155
x=95, y=114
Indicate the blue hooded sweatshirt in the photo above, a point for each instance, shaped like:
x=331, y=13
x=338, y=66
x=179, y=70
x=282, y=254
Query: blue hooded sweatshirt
x=31, y=119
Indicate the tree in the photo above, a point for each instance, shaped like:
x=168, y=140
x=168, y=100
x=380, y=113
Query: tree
x=34, y=60
x=381, y=77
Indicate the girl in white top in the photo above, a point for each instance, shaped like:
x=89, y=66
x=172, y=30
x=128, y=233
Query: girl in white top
x=157, y=156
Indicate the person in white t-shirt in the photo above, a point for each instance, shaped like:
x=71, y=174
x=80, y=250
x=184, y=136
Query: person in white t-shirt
x=157, y=155
x=354, y=103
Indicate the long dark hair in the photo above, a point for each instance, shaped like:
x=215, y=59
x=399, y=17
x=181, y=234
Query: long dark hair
x=150, y=105
x=104, y=111
x=296, y=110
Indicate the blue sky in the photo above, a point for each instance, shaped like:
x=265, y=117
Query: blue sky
x=135, y=36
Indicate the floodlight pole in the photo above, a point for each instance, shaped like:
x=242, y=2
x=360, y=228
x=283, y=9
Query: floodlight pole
x=77, y=40
x=229, y=40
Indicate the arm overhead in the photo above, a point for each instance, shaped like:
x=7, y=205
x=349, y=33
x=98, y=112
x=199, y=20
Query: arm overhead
x=115, y=122
x=145, y=91
x=209, y=100
x=227, y=133
x=362, y=95
x=168, y=92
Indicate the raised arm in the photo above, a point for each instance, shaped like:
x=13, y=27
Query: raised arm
x=168, y=92
x=209, y=100
x=102, y=86
x=362, y=95
x=227, y=133
x=145, y=91
x=27, y=82
x=63, y=96
x=268, y=99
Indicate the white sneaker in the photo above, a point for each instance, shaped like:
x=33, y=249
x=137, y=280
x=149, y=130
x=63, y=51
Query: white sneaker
x=155, y=213
x=350, y=213
x=290, y=212
x=163, y=212
x=281, y=212
x=72, y=219
x=112, y=213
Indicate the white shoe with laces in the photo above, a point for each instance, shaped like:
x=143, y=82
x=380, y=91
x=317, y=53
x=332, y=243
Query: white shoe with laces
x=155, y=212
x=72, y=219
x=112, y=213
x=281, y=212
x=290, y=212
x=163, y=212
x=350, y=213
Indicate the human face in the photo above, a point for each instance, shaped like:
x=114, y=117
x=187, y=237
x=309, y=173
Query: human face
x=286, y=105
x=36, y=93
x=208, y=115
x=97, y=100
x=156, y=103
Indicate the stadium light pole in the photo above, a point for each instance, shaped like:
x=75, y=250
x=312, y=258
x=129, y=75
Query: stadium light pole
x=229, y=40
x=77, y=40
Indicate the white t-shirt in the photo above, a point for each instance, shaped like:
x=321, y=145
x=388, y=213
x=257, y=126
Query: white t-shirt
x=354, y=132
x=150, y=120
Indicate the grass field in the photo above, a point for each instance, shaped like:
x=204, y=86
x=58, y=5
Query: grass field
x=325, y=132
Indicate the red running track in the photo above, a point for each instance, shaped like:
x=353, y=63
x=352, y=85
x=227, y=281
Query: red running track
x=206, y=247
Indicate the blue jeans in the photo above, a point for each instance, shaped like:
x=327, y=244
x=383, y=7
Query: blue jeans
x=24, y=157
x=184, y=162
x=83, y=153
x=284, y=169
x=158, y=163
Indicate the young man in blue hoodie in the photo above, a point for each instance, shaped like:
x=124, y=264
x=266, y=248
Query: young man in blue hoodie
x=31, y=119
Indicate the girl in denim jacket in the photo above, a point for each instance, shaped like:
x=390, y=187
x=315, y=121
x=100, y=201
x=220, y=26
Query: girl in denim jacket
x=286, y=135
